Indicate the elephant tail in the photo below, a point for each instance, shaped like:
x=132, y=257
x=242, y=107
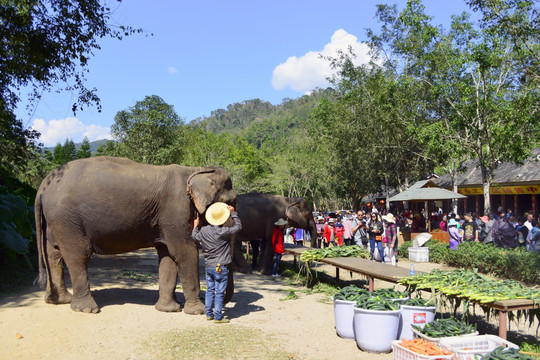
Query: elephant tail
x=40, y=239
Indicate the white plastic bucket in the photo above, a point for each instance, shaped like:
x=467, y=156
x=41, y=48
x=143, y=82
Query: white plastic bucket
x=375, y=330
x=343, y=313
x=414, y=315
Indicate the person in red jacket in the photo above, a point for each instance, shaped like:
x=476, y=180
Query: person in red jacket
x=277, y=243
x=329, y=233
x=339, y=232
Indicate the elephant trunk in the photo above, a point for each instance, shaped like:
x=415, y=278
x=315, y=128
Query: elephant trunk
x=312, y=229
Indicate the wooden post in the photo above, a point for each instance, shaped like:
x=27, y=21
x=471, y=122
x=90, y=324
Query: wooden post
x=371, y=284
x=503, y=324
x=337, y=273
x=428, y=216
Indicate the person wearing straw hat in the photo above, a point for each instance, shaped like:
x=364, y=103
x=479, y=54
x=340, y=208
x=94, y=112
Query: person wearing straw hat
x=277, y=243
x=391, y=237
x=216, y=244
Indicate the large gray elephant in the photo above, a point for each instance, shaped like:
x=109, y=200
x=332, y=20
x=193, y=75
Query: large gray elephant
x=258, y=213
x=108, y=205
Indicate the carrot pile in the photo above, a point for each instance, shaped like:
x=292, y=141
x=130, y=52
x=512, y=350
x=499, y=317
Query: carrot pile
x=423, y=347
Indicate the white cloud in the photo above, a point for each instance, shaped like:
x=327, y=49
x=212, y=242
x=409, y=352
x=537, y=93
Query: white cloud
x=172, y=70
x=57, y=131
x=309, y=71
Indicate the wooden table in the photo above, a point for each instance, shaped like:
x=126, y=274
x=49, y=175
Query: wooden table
x=372, y=269
x=505, y=306
x=375, y=270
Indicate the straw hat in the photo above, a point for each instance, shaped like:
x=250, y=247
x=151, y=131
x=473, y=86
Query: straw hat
x=217, y=213
x=281, y=222
x=390, y=218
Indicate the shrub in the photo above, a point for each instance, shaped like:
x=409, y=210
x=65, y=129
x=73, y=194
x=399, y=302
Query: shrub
x=517, y=264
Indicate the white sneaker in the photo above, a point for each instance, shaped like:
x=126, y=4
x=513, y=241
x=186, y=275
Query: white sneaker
x=276, y=275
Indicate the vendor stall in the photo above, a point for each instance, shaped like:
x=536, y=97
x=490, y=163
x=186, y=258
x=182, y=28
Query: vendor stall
x=426, y=191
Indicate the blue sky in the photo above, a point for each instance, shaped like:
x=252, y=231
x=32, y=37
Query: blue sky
x=205, y=55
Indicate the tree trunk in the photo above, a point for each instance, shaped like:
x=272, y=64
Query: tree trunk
x=486, y=185
x=455, y=201
x=453, y=177
x=387, y=191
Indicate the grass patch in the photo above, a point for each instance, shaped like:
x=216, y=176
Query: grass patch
x=319, y=282
x=215, y=342
x=137, y=276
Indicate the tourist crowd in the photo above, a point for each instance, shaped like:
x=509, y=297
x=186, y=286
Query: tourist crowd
x=379, y=230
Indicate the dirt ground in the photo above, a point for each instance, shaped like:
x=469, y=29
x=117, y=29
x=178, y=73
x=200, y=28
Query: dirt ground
x=264, y=325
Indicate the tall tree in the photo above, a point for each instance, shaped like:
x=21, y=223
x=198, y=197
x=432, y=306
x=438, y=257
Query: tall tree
x=64, y=153
x=46, y=44
x=150, y=132
x=245, y=164
x=489, y=110
x=370, y=125
x=84, y=149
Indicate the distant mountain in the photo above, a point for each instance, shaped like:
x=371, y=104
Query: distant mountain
x=259, y=121
x=93, y=146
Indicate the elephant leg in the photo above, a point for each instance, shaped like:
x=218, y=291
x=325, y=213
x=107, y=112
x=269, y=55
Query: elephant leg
x=239, y=262
x=229, y=292
x=77, y=264
x=267, y=260
x=189, y=277
x=168, y=273
x=56, y=292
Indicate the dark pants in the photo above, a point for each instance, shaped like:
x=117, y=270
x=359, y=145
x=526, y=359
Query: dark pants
x=276, y=263
x=255, y=247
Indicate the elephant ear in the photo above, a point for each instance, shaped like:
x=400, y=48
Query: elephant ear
x=201, y=188
x=294, y=213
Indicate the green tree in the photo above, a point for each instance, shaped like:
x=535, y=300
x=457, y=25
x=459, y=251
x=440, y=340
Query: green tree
x=489, y=109
x=46, y=44
x=84, y=149
x=369, y=129
x=245, y=164
x=150, y=132
x=63, y=154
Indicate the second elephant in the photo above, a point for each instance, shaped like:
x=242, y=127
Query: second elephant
x=258, y=213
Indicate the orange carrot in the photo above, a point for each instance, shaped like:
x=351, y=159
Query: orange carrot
x=423, y=347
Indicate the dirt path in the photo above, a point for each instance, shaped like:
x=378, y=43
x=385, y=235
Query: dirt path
x=263, y=324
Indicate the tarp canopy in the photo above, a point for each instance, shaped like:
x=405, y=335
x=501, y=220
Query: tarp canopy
x=426, y=190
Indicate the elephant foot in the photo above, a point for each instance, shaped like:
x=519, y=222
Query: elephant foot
x=55, y=298
x=85, y=305
x=194, y=308
x=168, y=306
